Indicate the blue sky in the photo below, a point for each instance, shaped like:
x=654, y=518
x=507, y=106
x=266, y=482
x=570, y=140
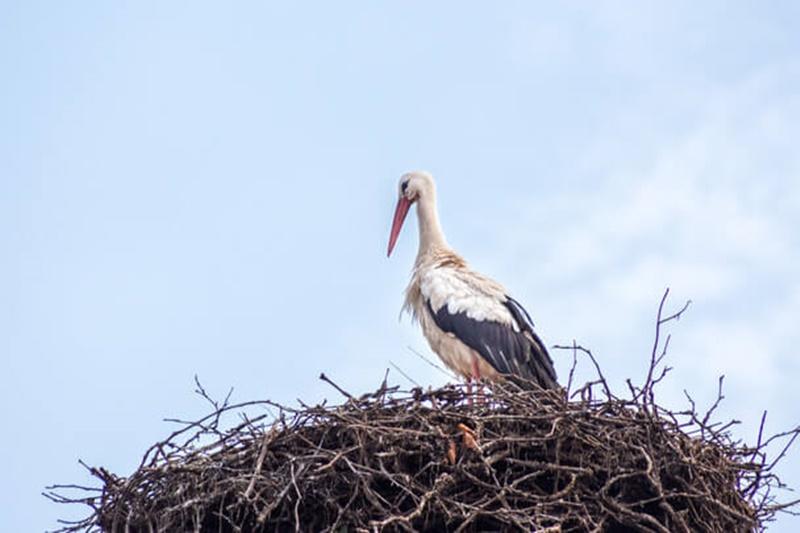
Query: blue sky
x=203, y=189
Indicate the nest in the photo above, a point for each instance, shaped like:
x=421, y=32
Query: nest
x=509, y=458
x=431, y=460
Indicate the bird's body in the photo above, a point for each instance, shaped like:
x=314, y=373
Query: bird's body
x=469, y=320
x=434, y=277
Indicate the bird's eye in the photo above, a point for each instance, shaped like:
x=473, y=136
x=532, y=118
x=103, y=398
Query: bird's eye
x=404, y=186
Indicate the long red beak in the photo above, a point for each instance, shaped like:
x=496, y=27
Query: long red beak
x=400, y=213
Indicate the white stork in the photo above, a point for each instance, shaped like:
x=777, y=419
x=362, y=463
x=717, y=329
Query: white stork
x=469, y=320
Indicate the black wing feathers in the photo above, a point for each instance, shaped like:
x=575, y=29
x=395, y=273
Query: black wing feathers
x=540, y=358
x=519, y=313
x=508, y=351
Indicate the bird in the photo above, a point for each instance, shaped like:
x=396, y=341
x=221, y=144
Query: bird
x=468, y=319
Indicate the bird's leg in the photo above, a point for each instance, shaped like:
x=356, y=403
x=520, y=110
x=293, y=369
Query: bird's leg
x=469, y=390
x=476, y=375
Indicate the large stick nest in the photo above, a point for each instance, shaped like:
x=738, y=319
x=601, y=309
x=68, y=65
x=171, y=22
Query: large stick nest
x=419, y=460
x=423, y=460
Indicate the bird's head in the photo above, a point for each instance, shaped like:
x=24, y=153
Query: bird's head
x=412, y=187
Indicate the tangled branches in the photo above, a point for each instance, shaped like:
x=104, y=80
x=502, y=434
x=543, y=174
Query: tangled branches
x=433, y=460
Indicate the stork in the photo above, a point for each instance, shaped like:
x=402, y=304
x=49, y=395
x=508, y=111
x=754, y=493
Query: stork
x=469, y=320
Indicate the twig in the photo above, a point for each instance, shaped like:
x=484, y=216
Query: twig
x=327, y=380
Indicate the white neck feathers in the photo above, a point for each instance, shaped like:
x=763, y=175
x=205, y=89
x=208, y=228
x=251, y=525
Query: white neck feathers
x=431, y=237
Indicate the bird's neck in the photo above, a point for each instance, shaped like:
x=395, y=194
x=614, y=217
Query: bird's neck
x=431, y=237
